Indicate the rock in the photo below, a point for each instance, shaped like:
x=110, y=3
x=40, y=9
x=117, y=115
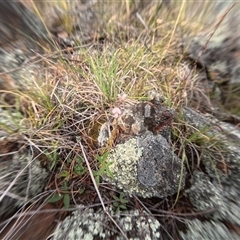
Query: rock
x=216, y=190
x=22, y=176
x=143, y=162
x=216, y=47
x=18, y=22
x=208, y=230
x=16, y=73
x=146, y=166
x=152, y=116
x=219, y=53
x=22, y=179
x=204, y=195
x=86, y=223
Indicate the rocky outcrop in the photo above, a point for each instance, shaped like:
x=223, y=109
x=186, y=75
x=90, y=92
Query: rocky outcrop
x=143, y=159
x=217, y=189
x=218, y=52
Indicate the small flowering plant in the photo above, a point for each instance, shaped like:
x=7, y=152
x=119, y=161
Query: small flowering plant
x=116, y=111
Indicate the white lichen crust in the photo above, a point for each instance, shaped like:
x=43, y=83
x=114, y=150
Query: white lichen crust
x=88, y=224
x=146, y=166
x=208, y=230
x=124, y=159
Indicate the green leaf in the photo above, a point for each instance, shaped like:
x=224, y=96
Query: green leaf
x=117, y=210
x=65, y=174
x=64, y=186
x=79, y=169
x=123, y=207
x=81, y=190
x=97, y=179
x=54, y=198
x=66, y=200
x=116, y=198
x=123, y=201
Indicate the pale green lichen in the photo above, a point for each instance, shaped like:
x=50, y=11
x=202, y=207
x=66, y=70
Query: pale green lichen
x=146, y=166
x=124, y=159
x=208, y=230
x=131, y=154
x=86, y=223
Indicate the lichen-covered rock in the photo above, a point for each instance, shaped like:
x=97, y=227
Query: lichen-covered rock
x=86, y=223
x=147, y=116
x=216, y=191
x=208, y=230
x=146, y=166
x=143, y=162
x=22, y=177
x=218, y=49
x=137, y=119
x=204, y=195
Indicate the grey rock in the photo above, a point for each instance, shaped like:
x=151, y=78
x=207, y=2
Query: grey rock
x=146, y=166
x=143, y=162
x=147, y=116
x=89, y=224
x=158, y=166
x=217, y=49
x=215, y=191
x=11, y=60
x=22, y=177
x=204, y=195
x=18, y=22
x=208, y=230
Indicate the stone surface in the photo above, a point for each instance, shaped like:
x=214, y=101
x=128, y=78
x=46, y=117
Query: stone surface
x=16, y=19
x=216, y=191
x=143, y=162
x=89, y=224
x=218, y=51
x=204, y=195
x=208, y=230
x=146, y=166
x=217, y=48
x=152, y=116
x=21, y=175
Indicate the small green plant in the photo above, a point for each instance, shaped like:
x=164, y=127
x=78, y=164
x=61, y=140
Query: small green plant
x=120, y=202
x=64, y=196
x=103, y=168
x=79, y=168
x=52, y=156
